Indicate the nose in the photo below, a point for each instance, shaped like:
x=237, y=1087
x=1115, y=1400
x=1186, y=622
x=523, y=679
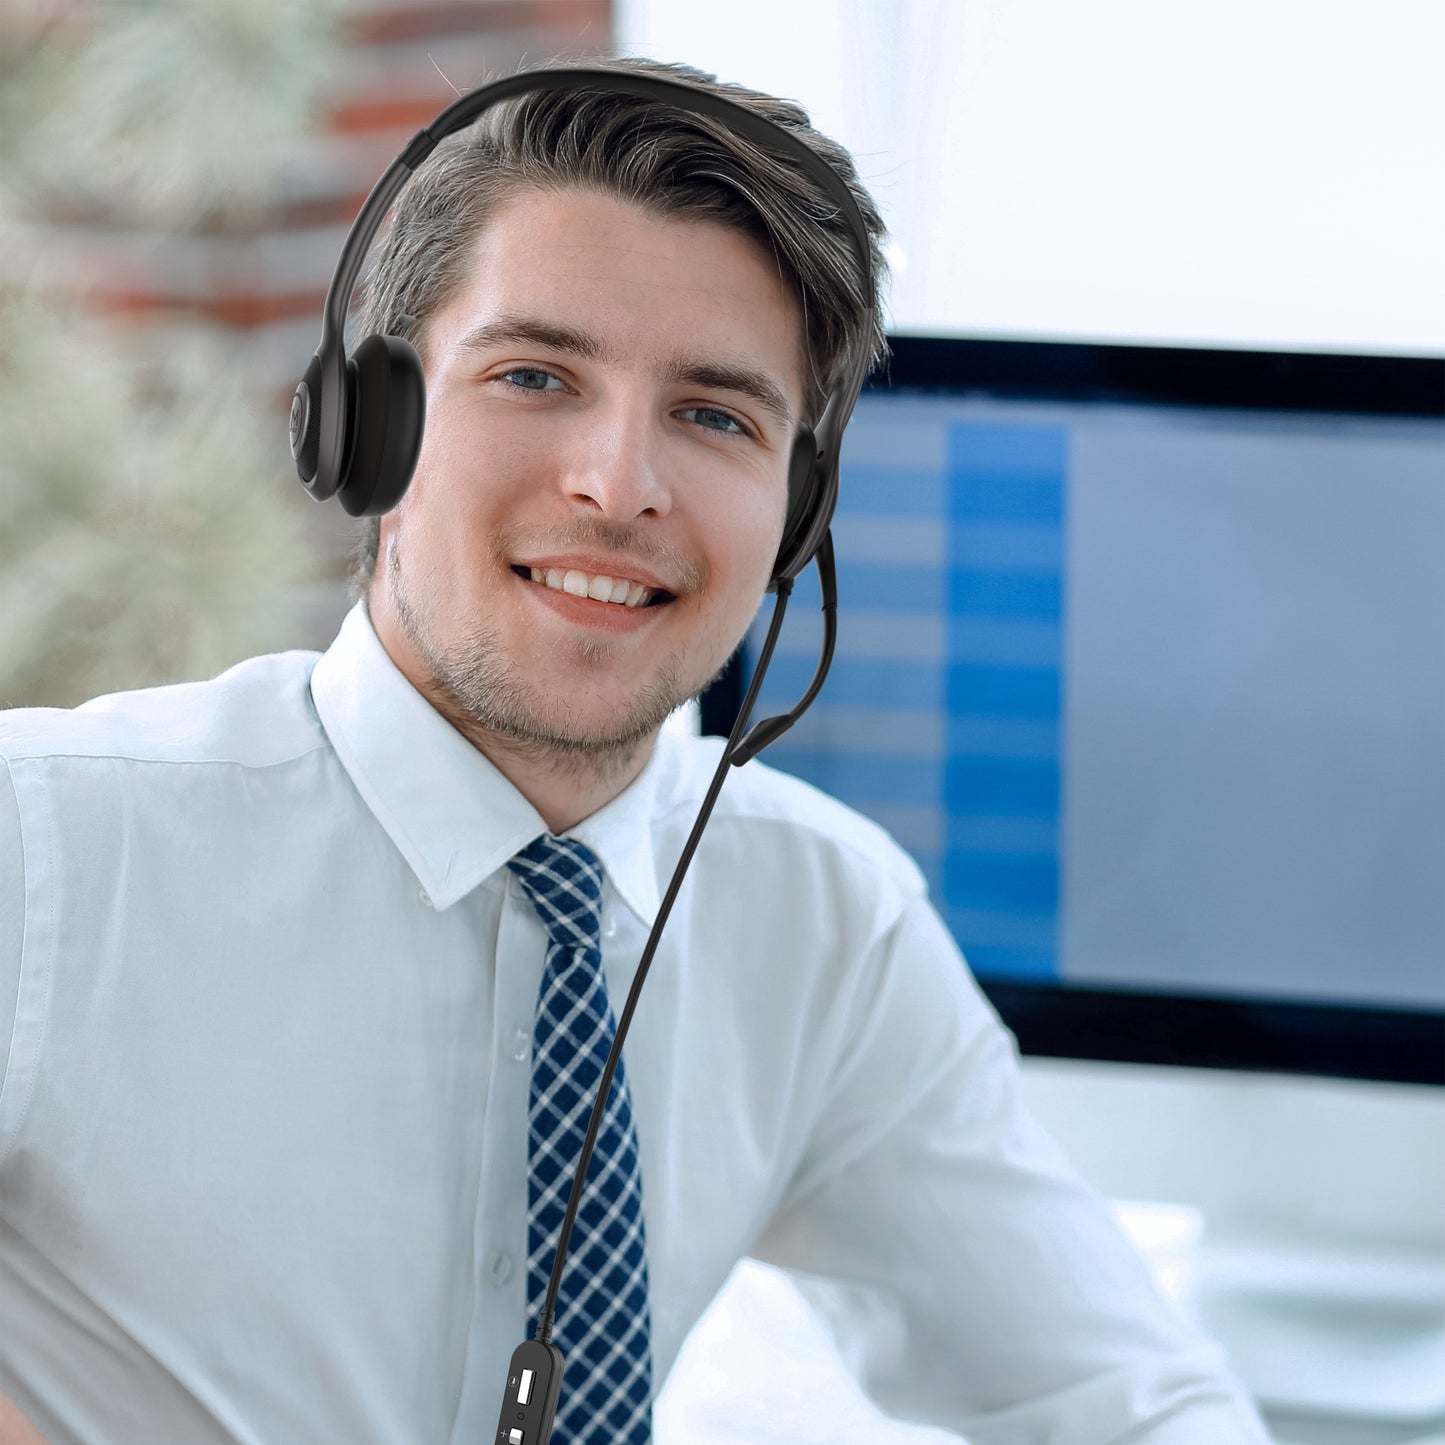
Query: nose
x=616, y=468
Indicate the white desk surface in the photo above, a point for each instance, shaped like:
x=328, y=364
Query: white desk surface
x=758, y=1370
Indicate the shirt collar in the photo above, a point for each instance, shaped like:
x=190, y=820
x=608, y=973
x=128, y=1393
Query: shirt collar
x=452, y=815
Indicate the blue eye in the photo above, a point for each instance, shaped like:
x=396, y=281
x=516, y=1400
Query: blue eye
x=711, y=419
x=530, y=378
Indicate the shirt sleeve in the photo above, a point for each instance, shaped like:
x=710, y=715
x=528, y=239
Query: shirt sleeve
x=964, y=1270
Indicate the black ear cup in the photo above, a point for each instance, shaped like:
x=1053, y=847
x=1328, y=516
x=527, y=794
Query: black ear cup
x=386, y=413
x=805, y=477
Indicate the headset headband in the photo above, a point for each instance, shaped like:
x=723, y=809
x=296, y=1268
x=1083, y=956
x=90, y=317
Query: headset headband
x=356, y=425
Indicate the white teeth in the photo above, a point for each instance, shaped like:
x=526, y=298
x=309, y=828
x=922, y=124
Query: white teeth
x=602, y=589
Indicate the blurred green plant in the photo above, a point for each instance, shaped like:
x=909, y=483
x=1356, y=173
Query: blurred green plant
x=144, y=540
x=161, y=112
x=149, y=532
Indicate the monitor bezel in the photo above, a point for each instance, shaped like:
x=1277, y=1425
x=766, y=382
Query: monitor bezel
x=1064, y=1020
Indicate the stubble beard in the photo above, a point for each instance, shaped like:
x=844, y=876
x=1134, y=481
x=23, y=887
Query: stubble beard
x=483, y=692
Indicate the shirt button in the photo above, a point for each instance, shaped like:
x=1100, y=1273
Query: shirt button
x=609, y=926
x=499, y=1268
x=518, y=1044
x=423, y=897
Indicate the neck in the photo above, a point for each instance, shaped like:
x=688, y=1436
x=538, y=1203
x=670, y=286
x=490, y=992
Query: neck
x=563, y=786
x=565, y=782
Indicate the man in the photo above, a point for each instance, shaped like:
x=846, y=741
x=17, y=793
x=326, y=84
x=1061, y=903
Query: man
x=279, y=1154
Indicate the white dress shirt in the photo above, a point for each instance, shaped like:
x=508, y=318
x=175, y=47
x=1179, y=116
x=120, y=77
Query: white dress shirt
x=263, y=1122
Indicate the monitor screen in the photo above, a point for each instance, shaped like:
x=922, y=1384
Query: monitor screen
x=1141, y=655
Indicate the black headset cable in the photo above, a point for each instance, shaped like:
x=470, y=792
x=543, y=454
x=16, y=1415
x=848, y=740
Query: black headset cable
x=738, y=749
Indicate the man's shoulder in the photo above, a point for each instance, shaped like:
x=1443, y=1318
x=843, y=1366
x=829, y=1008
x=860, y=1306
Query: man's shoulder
x=255, y=714
x=759, y=794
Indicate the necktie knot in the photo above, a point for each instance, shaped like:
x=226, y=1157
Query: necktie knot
x=563, y=878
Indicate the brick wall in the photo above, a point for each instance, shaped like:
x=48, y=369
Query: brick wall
x=262, y=284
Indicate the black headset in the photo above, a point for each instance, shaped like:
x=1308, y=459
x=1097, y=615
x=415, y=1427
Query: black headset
x=357, y=422
x=356, y=430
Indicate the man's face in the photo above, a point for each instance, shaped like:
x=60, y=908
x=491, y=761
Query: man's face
x=611, y=403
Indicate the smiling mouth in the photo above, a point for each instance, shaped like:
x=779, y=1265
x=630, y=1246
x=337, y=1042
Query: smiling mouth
x=620, y=591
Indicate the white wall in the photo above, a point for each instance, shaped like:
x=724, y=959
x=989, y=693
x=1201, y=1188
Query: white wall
x=1247, y=172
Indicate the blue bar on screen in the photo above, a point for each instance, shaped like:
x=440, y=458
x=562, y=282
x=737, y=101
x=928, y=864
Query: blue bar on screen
x=942, y=715
x=1005, y=482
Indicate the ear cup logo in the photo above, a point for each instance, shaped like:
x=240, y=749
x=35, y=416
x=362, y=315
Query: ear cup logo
x=300, y=414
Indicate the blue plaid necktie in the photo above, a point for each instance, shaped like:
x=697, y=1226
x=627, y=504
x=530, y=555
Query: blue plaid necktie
x=603, y=1325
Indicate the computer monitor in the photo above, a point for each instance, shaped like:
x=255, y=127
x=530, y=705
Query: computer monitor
x=1141, y=655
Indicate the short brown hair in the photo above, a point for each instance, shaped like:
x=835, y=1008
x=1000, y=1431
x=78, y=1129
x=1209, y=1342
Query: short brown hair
x=671, y=161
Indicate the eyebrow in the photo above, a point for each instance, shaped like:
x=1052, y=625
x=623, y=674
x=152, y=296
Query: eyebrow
x=678, y=370
x=506, y=329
